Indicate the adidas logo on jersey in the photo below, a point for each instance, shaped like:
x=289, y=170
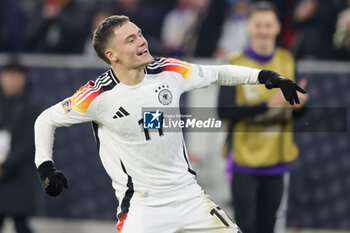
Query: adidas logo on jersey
x=120, y=113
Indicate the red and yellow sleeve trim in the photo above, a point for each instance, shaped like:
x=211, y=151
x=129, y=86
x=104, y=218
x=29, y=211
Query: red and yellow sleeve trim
x=181, y=67
x=84, y=96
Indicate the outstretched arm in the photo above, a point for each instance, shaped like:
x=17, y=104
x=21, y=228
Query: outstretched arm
x=62, y=114
x=199, y=76
x=230, y=75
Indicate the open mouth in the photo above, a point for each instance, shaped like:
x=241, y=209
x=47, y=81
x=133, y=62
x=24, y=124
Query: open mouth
x=142, y=52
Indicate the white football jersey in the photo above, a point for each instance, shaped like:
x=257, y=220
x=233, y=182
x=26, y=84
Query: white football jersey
x=149, y=164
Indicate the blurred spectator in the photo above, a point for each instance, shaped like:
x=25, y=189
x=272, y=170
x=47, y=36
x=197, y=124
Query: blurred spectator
x=287, y=37
x=12, y=27
x=181, y=27
x=314, y=25
x=99, y=15
x=341, y=37
x=211, y=28
x=147, y=15
x=131, y=8
x=58, y=26
x=260, y=143
x=17, y=171
x=234, y=33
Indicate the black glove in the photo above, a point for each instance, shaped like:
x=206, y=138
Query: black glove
x=52, y=179
x=289, y=88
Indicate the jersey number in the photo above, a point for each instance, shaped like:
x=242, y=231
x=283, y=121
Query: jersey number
x=146, y=131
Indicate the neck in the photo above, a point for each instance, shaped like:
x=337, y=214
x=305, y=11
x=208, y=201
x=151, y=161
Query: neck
x=126, y=76
x=263, y=50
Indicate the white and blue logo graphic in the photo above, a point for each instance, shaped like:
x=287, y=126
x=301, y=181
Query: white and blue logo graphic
x=152, y=119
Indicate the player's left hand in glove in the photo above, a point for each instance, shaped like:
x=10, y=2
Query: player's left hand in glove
x=52, y=179
x=289, y=88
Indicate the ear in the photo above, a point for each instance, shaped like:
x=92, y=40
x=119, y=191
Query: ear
x=111, y=55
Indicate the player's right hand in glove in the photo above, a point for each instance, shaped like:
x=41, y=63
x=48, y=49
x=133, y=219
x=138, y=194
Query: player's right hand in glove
x=52, y=179
x=289, y=88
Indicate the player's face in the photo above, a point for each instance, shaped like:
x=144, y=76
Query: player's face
x=263, y=27
x=129, y=47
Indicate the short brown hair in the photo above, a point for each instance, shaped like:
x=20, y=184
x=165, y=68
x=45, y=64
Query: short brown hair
x=263, y=6
x=104, y=32
x=15, y=66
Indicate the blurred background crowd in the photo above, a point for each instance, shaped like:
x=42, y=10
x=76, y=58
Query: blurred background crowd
x=316, y=32
x=312, y=29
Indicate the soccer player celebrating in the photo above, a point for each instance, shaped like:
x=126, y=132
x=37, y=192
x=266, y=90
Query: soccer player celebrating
x=153, y=180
